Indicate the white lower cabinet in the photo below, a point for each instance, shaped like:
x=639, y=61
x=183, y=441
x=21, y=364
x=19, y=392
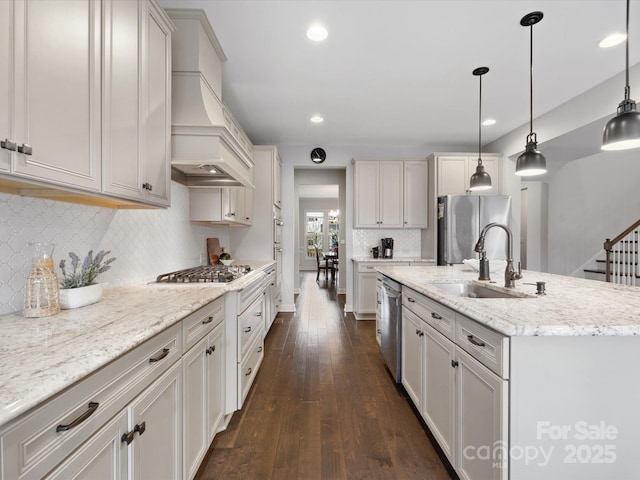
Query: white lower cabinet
x=103, y=457
x=203, y=369
x=481, y=421
x=439, y=388
x=155, y=418
x=141, y=442
x=412, y=357
x=150, y=414
x=452, y=374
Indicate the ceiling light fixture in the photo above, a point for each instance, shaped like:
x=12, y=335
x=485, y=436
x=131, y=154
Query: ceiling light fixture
x=488, y=122
x=612, y=40
x=622, y=132
x=317, y=33
x=316, y=119
x=480, y=180
x=531, y=161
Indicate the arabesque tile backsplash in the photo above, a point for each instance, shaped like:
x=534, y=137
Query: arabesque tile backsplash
x=145, y=242
x=406, y=242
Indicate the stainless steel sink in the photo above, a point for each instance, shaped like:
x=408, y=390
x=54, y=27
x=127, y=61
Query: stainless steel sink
x=476, y=290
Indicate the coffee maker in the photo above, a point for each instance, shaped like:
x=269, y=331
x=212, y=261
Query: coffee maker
x=387, y=247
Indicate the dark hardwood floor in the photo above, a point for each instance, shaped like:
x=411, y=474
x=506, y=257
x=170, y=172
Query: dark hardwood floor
x=323, y=405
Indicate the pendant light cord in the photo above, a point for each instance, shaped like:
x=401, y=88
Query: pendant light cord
x=480, y=125
x=627, y=88
x=531, y=80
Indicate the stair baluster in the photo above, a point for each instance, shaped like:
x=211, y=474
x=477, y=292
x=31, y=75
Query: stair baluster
x=622, y=257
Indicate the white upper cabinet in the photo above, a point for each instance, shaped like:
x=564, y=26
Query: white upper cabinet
x=378, y=194
x=391, y=194
x=416, y=194
x=57, y=92
x=5, y=82
x=85, y=100
x=454, y=172
x=136, y=102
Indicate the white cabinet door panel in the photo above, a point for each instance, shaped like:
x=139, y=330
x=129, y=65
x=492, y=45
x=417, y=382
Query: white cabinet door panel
x=481, y=420
x=391, y=201
x=439, y=377
x=157, y=452
x=57, y=91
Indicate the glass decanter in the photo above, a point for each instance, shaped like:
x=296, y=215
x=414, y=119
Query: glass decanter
x=42, y=295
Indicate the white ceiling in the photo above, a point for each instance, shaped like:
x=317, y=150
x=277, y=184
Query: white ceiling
x=399, y=72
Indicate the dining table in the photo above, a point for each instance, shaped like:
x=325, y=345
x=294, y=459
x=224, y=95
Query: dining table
x=330, y=259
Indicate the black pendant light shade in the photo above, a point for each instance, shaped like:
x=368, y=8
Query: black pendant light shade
x=480, y=180
x=531, y=161
x=622, y=132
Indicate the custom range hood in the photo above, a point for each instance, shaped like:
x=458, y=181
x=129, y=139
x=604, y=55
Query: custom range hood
x=208, y=147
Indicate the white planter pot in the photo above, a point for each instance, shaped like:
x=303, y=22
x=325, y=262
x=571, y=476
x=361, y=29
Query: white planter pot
x=80, y=297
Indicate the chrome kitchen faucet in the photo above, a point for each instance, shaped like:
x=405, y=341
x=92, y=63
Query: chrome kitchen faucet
x=510, y=275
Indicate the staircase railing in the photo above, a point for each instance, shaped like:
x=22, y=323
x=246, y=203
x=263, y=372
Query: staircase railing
x=621, y=265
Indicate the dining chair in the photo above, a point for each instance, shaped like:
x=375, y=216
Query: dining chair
x=322, y=264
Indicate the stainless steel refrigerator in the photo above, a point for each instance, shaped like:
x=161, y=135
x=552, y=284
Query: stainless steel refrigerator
x=460, y=220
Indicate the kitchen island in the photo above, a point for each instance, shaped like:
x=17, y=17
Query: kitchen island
x=112, y=350
x=535, y=386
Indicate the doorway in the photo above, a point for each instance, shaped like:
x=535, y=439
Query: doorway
x=320, y=218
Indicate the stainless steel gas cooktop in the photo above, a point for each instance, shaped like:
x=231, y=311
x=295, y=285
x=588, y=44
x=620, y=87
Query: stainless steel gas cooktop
x=205, y=274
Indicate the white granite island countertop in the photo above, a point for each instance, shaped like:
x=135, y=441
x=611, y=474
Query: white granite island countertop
x=40, y=357
x=571, y=306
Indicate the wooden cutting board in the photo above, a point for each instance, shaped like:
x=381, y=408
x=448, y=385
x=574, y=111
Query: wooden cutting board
x=213, y=250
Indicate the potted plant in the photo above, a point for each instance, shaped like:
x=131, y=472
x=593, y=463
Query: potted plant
x=78, y=287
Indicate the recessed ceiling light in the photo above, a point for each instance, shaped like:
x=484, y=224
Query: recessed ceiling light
x=316, y=119
x=208, y=168
x=317, y=33
x=612, y=40
x=489, y=121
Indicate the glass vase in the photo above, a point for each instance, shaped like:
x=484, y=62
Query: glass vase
x=42, y=296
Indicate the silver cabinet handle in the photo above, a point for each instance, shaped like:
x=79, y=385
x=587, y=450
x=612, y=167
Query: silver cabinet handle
x=91, y=409
x=478, y=343
x=8, y=145
x=25, y=149
x=259, y=314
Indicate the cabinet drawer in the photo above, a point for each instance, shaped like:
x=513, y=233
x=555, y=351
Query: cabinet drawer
x=249, y=367
x=371, y=267
x=485, y=345
x=247, y=296
x=249, y=323
x=438, y=316
x=41, y=439
x=201, y=322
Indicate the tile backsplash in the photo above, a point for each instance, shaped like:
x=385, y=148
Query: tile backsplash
x=146, y=243
x=406, y=242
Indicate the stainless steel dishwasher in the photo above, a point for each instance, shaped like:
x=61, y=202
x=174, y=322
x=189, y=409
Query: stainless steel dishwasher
x=391, y=325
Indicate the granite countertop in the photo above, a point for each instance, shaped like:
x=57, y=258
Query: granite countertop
x=395, y=259
x=572, y=306
x=40, y=357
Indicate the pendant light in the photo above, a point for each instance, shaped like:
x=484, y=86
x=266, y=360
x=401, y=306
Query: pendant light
x=622, y=132
x=480, y=180
x=531, y=161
